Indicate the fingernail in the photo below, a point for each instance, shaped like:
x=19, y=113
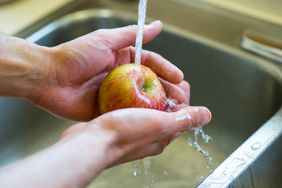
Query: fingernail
x=205, y=116
x=157, y=22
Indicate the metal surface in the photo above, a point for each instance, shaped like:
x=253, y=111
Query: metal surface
x=263, y=45
x=5, y=1
x=243, y=91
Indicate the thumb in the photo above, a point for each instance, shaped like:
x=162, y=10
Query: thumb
x=190, y=117
x=126, y=36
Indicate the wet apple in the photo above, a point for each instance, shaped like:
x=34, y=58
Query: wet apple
x=131, y=86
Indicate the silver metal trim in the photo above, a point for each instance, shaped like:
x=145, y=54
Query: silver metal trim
x=262, y=45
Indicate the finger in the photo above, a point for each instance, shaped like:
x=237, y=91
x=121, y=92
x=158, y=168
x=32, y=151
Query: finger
x=160, y=66
x=175, y=92
x=186, y=88
x=178, y=107
x=189, y=118
x=126, y=36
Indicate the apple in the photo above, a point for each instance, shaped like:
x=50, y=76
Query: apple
x=131, y=86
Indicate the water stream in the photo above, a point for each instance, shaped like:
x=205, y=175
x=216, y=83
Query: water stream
x=140, y=30
x=138, y=57
x=146, y=166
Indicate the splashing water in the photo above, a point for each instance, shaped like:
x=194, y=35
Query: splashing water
x=140, y=30
x=195, y=144
x=197, y=132
x=147, y=162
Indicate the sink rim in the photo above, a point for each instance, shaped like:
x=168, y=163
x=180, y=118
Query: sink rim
x=244, y=151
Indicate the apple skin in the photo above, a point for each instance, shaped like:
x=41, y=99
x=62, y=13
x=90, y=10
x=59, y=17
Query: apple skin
x=131, y=86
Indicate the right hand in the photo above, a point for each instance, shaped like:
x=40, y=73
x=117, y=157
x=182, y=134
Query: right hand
x=136, y=133
x=78, y=67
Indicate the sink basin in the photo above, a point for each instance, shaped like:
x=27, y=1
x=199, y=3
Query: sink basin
x=243, y=93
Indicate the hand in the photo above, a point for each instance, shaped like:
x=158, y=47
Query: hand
x=132, y=138
x=79, y=67
x=86, y=149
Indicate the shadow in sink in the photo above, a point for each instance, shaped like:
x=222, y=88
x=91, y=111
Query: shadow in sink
x=240, y=93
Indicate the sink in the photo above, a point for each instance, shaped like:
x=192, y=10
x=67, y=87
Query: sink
x=242, y=91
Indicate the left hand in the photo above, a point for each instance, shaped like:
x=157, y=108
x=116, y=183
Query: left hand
x=79, y=66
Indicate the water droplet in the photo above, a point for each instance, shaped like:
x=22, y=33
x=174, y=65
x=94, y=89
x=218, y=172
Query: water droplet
x=256, y=146
x=137, y=168
x=190, y=142
x=147, y=162
x=171, y=103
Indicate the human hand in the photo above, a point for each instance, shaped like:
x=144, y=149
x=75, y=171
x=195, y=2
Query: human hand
x=132, y=138
x=79, y=66
x=86, y=149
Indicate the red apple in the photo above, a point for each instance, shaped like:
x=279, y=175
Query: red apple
x=131, y=86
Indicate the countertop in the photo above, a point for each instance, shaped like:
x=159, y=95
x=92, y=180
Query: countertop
x=268, y=10
x=19, y=14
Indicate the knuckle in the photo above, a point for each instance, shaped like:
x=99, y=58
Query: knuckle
x=195, y=118
x=185, y=118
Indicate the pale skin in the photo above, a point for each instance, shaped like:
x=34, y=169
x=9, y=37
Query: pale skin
x=65, y=80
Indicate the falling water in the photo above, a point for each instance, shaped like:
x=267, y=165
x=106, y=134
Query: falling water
x=148, y=172
x=140, y=29
x=171, y=103
x=198, y=133
x=195, y=144
x=145, y=169
x=138, y=53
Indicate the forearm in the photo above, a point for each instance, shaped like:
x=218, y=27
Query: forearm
x=23, y=67
x=70, y=163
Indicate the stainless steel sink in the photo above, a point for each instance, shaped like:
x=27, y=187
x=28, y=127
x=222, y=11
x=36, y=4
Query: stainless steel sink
x=243, y=91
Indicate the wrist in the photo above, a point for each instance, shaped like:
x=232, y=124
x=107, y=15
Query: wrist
x=24, y=67
x=94, y=143
x=73, y=162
